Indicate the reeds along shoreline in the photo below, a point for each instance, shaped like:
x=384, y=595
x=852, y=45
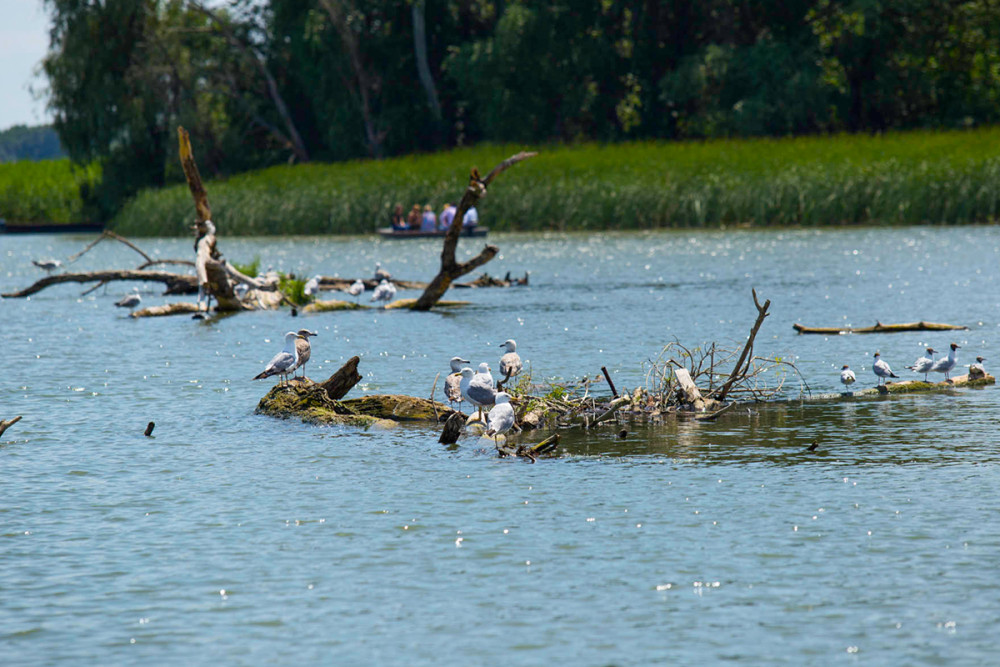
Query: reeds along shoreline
x=902, y=178
x=46, y=191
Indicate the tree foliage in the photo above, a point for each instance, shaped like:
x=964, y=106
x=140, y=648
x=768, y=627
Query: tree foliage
x=262, y=82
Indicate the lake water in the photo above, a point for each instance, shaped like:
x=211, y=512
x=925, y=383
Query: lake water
x=238, y=539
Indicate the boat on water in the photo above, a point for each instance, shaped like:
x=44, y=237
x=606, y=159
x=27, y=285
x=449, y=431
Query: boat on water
x=390, y=233
x=47, y=228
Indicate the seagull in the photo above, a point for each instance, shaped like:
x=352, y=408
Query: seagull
x=924, y=364
x=453, y=383
x=476, y=390
x=356, y=288
x=485, y=375
x=947, y=363
x=881, y=369
x=130, y=301
x=48, y=265
x=241, y=290
x=500, y=418
x=303, y=349
x=978, y=367
x=847, y=376
x=312, y=286
x=384, y=291
x=380, y=273
x=283, y=362
x=510, y=362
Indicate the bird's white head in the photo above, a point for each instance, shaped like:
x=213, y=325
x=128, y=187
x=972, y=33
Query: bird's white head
x=456, y=364
x=484, y=367
x=502, y=397
x=467, y=372
x=510, y=345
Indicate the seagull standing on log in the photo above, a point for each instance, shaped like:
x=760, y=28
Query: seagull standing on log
x=500, y=418
x=477, y=390
x=384, y=292
x=881, y=369
x=947, y=363
x=847, y=376
x=130, y=301
x=510, y=362
x=304, y=350
x=924, y=364
x=283, y=362
x=380, y=273
x=356, y=288
x=453, y=383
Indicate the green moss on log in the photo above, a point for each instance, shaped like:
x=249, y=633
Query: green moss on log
x=309, y=402
x=408, y=303
x=334, y=304
x=910, y=387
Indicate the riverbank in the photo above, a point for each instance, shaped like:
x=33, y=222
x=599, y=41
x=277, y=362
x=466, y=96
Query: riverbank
x=904, y=178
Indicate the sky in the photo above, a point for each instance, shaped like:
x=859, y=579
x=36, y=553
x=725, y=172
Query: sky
x=24, y=39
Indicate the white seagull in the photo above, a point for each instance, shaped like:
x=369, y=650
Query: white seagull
x=453, y=383
x=924, y=364
x=312, y=286
x=881, y=369
x=356, y=288
x=304, y=350
x=945, y=364
x=978, y=366
x=477, y=390
x=847, y=376
x=130, y=300
x=283, y=362
x=501, y=417
x=380, y=273
x=385, y=291
x=510, y=362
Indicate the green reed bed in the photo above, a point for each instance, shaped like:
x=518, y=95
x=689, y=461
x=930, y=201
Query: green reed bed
x=47, y=191
x=917, y=177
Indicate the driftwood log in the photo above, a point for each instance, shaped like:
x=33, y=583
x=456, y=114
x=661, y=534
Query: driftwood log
x=880, y=328
x=175, y=282
x=7, y=423
x=450, y=267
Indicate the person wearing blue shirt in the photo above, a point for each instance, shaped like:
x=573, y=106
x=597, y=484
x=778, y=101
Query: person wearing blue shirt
x=428, y=221
x=447, y=216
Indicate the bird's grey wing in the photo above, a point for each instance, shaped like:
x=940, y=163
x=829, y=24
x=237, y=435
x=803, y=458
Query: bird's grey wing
x=480, y=394
x=280, y=363
x=500, y=418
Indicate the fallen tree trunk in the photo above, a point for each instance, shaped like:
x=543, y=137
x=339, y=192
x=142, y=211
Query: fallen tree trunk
x=450, y=267
x=175, y=283
x=880, y=328
x=905, y=387
x=7, y=423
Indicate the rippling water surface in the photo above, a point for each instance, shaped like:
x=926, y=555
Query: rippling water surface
x=237, y=539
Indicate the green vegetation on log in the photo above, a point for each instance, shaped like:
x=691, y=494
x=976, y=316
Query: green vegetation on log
x=900, y=178
x=48, y=191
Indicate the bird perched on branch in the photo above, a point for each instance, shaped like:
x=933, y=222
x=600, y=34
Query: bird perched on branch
x=130, y=301
x=847, y=376
x=304, y=350
x=881, y=369
x=385, y=291
x=453, y=383
x=477, y=389
x=283, y=362
x=924, y=364
x=500, y=418
x=510, y=362
x=947, y=363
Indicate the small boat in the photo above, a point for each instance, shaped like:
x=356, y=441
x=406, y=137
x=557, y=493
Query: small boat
x=390, y=233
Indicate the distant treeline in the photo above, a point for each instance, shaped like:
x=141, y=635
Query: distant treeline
x=900, y=178
x=21, y=142
x=45, y=191
x=263, y=83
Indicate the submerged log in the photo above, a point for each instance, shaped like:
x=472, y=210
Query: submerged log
x=880, y=328
x=530, y=452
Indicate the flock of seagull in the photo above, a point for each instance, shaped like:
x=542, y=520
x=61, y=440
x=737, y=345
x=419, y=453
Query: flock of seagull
x=925, y=364
x=383, y=293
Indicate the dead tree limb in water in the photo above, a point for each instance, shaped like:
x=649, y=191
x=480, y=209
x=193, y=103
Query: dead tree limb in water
x=175, y=282
x=450, y=268
x=880, y=328
x=741, y=369
x=343, y=380
x=7, y=423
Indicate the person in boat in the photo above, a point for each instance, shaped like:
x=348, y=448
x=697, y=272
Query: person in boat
x=471, y=218
x=428, y=221
x=413, y=218
x=397, y=219
x=447, y=216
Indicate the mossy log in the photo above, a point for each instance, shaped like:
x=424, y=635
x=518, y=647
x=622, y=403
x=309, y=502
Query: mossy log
x=908, y=387
x=409, y=303
x=880, y=328
x=330, y=306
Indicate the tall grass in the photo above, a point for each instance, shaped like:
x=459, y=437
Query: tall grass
x=937, y=177
x=47, y=191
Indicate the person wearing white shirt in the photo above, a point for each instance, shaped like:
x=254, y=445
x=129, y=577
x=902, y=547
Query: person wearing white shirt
x=471, y=218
